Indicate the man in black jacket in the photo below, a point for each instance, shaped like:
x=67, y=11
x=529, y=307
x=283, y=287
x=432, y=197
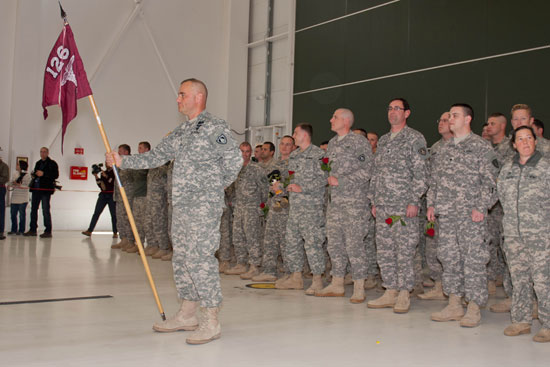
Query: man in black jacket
x=42, y=187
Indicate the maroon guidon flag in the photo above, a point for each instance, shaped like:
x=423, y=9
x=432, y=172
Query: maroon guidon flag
x=65, y=79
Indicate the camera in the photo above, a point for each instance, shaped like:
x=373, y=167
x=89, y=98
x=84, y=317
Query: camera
x=96, y=168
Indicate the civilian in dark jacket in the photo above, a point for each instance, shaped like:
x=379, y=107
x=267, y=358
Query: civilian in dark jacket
x=42, y=187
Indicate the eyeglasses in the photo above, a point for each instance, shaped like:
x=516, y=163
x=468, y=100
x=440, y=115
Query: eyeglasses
x=442, y=120
x=395, y=108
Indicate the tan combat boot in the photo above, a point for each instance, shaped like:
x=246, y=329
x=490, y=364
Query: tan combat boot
x=472, y=317
x=334, y=289
x=184, y=319
x=127, y=244
x=209, y=327
x=492, y=287
x=149, y=251
x=543, y=336
x=517, y=328
x=252, y=272
x=238, y=269
x=388, y=299
x=428, y=283
x=403, y=302
x=452, y=312
x=358, y=295
x=120, y=244
x=436, y=293
x=294, y=281
x=168, y=256
x=316, y=285
x=159, y=254
x=348, y=280
x=501, y=307
x=370, y=282
x=264, y=277
x=224, y=265
x=132, y=249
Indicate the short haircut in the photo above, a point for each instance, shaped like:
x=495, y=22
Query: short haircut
x=257, y=146
x=271, y=145
x=406, y=105
x=307, y=128
x=514, y=132
x=246, y=144
x=145, y=144
x=347, y=114
x=373, y=133
x=47, y=150
x=521, y=106
x=538, y=123
x=126, y=147
x=466, y=108
x=497, y=114
x=361, y=131
x=199, y=82
x=289, y=137
x=485, y=125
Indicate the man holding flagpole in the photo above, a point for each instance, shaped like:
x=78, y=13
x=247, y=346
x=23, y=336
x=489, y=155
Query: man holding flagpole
x=206, y=160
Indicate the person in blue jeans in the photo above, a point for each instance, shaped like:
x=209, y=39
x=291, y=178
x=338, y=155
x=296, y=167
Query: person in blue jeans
x=20, y=197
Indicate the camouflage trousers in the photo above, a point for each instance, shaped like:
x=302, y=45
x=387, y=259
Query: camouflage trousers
x=274, y=240
x=529, y=261
x=246, y=235
x=305, y=230
x=464, y=253
x=434, y=265
x=370, y=247
x=156, y=223
x=226, y=234
x=496, y=265
x=395, y=250
x=196, y=238
x=123, y=225
x=140, y=211
x=347, y=226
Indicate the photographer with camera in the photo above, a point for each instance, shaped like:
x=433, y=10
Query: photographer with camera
x=105, y=180
x=43, y=185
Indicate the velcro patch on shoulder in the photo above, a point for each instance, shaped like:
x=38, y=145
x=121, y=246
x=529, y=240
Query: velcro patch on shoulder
x=221, y=139
x=420, y=147
x=492, y=157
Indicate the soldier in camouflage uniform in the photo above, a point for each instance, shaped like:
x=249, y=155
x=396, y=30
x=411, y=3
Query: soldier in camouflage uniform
x=274, y=239
x=463, y=189
x=397, y=186
x=206, y=159
x=524, y=191
x=496, y=129
x=139, y=204
x=250, y=192
x=226, y=229
x=305, y=227
x=370, y=245
x=434, y=265
x=522, y=115
x=351, y=162
x=158, y=237
x=127, y=180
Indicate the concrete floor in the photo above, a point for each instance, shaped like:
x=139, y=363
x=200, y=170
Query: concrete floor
x=259, y=327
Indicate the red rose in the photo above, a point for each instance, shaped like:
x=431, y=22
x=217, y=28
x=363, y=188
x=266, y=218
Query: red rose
x=290, y=173
x=430, y=232
x=325, y=160
x=262, y=205
x=389, y=221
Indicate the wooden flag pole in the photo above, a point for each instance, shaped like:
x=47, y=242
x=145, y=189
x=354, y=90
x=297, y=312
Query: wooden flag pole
x=128, y=210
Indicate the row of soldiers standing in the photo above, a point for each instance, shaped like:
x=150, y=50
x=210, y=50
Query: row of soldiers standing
x=149, y=194
x=453, y=185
